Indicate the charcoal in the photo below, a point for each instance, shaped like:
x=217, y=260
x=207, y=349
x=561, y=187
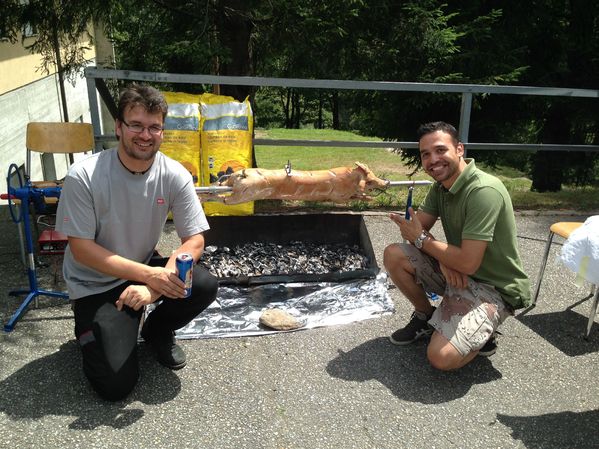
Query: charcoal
x=270, y=259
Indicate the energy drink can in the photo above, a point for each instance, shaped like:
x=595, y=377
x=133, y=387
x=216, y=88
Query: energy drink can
x=184, y=264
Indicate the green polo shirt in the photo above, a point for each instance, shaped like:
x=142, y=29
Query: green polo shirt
x=478, y=207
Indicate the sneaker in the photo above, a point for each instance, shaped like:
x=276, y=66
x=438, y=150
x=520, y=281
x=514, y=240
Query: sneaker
x=417, y=328
x=166, y=350
x=490, y=347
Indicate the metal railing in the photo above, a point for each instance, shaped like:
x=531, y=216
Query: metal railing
x=95, y=83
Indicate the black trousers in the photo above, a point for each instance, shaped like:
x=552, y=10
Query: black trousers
x=108, y=337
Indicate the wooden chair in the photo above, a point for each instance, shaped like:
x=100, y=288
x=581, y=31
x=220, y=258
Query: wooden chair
x=55, y=138
x=66, y=138
x=564, y=229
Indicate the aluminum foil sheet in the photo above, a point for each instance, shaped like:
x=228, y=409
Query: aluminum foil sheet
x=237, y=309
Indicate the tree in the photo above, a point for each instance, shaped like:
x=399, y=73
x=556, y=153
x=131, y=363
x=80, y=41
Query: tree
x=234, y=30
x=308, y=39
x=61, y=30
x=545, y=42
x=181, y=36
x=548, y=43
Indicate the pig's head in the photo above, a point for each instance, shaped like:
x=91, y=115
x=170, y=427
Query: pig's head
x=369, y=181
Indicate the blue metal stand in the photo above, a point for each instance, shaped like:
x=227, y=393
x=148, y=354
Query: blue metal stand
x=26, y=194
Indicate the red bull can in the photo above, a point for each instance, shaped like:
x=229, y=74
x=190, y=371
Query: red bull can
x=184, y=264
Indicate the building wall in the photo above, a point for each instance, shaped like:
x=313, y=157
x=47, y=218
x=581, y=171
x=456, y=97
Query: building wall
x=28, y=95
x=17, y=65
x=37, y=102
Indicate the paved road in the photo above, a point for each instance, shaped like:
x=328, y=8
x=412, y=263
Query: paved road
x=335, y=387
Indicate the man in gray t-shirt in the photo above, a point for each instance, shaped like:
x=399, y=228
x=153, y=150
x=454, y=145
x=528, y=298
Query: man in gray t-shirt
x=113, y=208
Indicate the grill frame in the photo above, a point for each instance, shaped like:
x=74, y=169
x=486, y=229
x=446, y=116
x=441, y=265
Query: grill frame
x=328, y=228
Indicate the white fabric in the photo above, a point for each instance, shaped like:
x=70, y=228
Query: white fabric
x=580, y=252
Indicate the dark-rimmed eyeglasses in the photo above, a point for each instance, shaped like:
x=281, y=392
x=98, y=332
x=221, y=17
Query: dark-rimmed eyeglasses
x=138, y=129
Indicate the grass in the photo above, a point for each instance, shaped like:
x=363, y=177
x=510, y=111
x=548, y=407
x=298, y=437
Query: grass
x=389, y=165
x=379, y=160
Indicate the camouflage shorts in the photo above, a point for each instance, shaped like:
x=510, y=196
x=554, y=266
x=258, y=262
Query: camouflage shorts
x=466, y=317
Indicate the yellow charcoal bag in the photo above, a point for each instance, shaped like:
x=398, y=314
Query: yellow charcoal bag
x=226, y=127
x=181, y=139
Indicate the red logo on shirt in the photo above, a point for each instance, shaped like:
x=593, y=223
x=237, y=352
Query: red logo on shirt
x=65, y=219
x=160, y=201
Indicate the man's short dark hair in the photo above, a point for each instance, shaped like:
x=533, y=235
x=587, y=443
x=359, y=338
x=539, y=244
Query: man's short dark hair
x=432, y=127
x=142, y=95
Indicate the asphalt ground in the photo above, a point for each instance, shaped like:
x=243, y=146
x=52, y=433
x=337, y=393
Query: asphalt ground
x=336, y=387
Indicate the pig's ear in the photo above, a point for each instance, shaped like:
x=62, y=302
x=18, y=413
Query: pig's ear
x=363, y=167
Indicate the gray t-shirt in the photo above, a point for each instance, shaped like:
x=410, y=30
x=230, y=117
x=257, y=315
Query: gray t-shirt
x=123, y=212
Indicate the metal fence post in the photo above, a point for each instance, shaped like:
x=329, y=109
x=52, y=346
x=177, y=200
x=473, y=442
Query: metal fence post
x=94, y=110
x=466, y=108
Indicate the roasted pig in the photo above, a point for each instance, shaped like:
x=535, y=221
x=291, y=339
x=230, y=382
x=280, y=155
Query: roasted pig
x=338, y=184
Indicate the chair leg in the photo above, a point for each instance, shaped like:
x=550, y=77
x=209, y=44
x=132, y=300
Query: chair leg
x=593, y=311
x=543, y=264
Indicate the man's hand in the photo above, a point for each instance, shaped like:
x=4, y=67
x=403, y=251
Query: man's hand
x=453, y=277
x=135, y=296
x=165, y=282
x=410, y=229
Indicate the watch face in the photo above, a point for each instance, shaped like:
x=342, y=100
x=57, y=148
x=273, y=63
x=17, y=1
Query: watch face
x=420, y=240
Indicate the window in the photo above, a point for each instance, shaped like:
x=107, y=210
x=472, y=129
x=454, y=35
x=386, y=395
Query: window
x=3, y=33
x=29, y=30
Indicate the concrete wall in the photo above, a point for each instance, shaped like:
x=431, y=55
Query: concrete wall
x=38, y=101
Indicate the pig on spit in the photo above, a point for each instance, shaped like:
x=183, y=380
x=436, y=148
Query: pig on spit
x=338, y=184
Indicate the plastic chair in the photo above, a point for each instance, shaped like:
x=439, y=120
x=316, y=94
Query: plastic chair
x=564, y=229
x=42, y=138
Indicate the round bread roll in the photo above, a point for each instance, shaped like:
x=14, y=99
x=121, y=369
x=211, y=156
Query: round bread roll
x=279, y=320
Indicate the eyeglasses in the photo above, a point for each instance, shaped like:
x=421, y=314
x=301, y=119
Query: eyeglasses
x=138, y=129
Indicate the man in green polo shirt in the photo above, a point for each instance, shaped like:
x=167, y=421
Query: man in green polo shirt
x=478, y=271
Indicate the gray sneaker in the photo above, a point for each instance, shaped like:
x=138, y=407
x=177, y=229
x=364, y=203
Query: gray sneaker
x=416, y=329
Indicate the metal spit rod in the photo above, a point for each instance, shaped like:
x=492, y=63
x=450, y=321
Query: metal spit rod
x=225, y=189
x=409, y=183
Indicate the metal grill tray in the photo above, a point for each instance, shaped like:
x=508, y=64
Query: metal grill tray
x=332, y=228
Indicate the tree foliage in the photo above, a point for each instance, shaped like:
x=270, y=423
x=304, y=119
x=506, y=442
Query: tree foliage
x=551, y=43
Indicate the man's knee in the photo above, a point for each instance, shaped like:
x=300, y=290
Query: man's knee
x=203, y=292
x=205, y=285
x=396, y=262
x=393, y=257
x=441, y=361
x=112, y=369
x=442, y=355
x=114, y=386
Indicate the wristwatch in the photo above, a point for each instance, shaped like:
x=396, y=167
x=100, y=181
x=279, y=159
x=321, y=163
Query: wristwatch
x=420, y=239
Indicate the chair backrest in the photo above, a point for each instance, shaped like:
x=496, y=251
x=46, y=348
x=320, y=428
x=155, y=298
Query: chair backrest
x=58, y=137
